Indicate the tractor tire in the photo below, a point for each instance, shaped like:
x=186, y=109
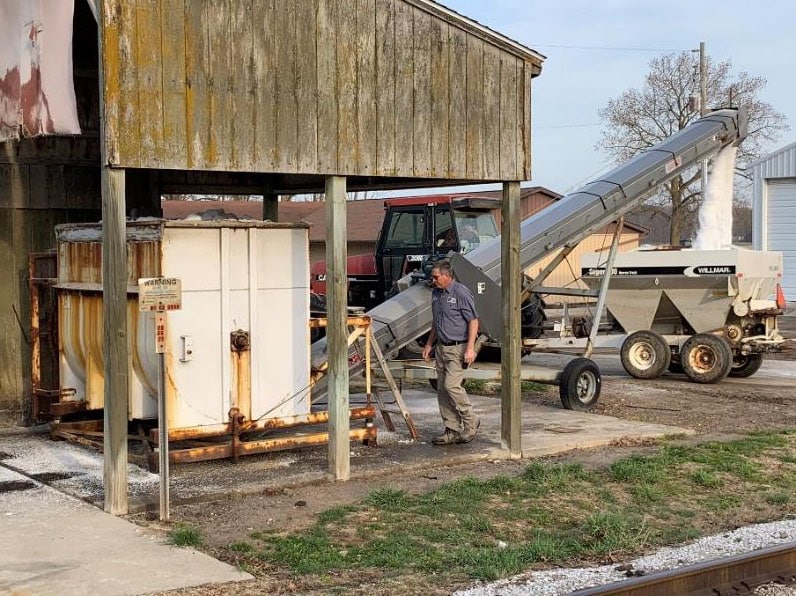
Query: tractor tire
x=580, y=384
x=532, y=320
x=745, y=366
x=706, y=358
x=645, y=355
x=533, y=317
x=414, y=349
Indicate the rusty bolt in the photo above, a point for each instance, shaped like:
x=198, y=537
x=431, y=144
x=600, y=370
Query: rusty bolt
x=240, y=340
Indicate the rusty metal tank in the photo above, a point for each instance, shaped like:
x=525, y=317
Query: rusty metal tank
x=240, y=340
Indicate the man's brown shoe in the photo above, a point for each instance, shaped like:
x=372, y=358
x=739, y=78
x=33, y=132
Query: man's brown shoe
x=447, y=438
x=468, y=434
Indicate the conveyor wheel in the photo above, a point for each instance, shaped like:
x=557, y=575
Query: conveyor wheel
x=580, y=384
x=744, y=366
x=706, y=358
x=645, y=355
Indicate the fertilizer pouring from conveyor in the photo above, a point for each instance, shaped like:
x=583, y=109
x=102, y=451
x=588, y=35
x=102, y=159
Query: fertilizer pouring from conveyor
x=407, y=315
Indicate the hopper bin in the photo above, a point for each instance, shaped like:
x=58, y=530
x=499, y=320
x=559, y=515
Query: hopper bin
x=240, y=340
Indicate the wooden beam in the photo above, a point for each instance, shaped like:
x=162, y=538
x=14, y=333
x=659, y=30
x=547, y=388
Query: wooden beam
x=114, y=312
x=336, y=332
x=114, y=275
x=510, y=396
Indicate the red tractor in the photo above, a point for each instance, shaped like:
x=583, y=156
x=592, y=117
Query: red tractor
x=413, y=229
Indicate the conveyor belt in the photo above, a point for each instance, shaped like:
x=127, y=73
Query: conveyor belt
x=406, y=316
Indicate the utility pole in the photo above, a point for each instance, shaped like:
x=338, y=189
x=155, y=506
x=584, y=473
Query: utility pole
x=703, y=104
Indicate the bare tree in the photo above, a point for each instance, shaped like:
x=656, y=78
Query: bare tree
x=640, y=118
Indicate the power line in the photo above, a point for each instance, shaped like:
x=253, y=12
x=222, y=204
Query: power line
x=607, y=48
x=567, y=126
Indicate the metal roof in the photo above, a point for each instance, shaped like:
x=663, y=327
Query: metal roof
x=778, y=164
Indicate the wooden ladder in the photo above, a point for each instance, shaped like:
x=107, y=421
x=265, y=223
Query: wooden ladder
x=371, y=345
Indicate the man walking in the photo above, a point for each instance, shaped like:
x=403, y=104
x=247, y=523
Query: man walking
x=454, y=330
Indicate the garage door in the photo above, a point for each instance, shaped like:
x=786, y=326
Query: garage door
x=782, y=228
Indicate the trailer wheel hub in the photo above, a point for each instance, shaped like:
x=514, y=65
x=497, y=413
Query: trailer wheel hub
x=703, y=358
x=642, y=355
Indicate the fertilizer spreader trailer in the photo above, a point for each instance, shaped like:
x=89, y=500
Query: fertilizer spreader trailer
x=707, y=313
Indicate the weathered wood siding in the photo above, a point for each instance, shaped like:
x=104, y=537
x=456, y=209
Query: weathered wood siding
x=344, y=87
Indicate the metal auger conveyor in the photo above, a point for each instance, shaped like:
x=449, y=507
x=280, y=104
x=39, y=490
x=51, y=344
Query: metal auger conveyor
x=407, y=316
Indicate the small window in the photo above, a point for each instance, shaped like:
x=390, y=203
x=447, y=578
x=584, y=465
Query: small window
x=406, y=230
x=475, y=228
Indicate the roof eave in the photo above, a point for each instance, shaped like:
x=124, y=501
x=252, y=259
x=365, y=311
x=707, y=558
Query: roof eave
x=482, y=31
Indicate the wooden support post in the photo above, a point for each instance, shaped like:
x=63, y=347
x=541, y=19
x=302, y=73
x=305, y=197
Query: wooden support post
x=337, y=330
x=510, y=396
x=270, y=203
x=114, y=288
x=114, y=312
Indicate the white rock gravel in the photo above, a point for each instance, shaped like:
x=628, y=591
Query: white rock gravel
x=554, y=582
x=80, y=468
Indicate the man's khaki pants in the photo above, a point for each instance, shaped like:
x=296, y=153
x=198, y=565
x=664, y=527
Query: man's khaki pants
x=454, y=403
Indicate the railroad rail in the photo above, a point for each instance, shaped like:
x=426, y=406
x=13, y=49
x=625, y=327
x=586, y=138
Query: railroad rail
x=739, y=574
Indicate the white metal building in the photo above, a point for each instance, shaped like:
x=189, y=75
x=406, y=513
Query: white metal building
x=774, y=210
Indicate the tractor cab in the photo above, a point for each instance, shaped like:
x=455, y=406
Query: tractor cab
x=413, y=229
x=417, y=228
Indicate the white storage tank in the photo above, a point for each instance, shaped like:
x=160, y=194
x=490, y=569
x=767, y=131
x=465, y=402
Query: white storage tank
x=241, y=339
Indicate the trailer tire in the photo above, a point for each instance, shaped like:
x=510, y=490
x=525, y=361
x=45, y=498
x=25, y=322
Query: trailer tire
x=744, y=366
x=580, y=384
x=706, y=358
x=645, y=355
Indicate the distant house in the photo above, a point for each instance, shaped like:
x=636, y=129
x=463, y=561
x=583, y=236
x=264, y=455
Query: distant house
x=364, y=219
x=774, y=210
x=289, y=211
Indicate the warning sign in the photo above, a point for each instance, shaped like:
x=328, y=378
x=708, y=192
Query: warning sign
x=159, y=294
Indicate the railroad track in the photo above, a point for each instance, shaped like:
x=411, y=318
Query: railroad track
x=736, y=575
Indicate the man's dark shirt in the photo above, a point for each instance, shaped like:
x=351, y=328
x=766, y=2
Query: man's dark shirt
x=452, y=309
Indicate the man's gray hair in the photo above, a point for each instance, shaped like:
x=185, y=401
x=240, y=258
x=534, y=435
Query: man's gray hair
x=444, y=266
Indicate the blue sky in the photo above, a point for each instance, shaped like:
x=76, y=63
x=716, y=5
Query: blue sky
x=578, y=78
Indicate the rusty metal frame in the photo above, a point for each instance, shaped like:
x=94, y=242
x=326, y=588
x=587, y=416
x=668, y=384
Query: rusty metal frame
x=237, y=437
x=46, y=404
x=197, y=444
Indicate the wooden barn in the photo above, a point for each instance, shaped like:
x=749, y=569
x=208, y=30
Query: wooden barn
x=236, y=97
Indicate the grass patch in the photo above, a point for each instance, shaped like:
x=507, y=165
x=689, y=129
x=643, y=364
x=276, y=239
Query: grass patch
x=706, y=479
x=388, y=499
x=778, y=499
x=533, y=387
x=475, y=386
x=549, y=514
x=185, y=535
x=243, y=547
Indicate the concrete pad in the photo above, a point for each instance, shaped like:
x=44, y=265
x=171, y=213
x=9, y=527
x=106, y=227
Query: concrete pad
x=51, y=543
x=545, y=430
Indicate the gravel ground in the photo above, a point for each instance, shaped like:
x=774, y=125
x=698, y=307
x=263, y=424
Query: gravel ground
x=554, y=582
